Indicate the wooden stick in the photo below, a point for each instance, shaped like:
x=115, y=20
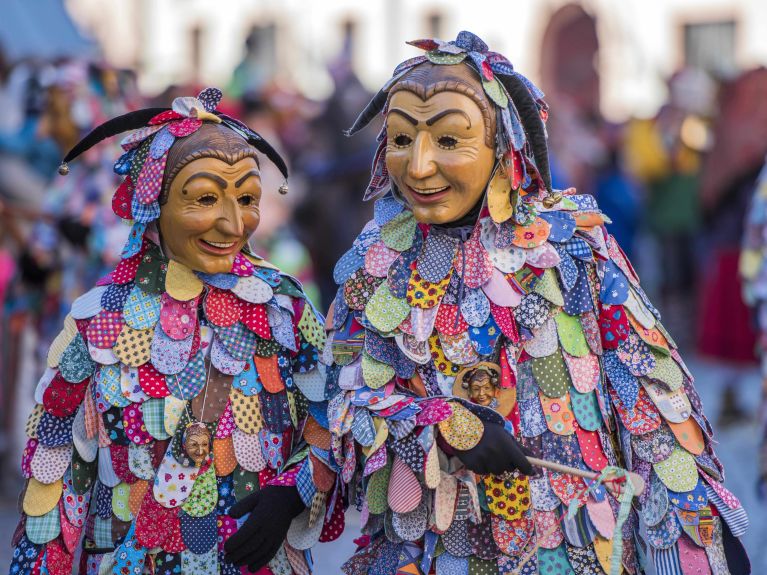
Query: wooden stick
x=635, y=479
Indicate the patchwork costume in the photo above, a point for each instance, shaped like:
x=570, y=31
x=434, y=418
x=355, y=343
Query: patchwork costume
x=154, y=354
x=588, y=377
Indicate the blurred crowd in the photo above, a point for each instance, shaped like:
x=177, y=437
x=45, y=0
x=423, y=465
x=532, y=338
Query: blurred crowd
x=676, y=187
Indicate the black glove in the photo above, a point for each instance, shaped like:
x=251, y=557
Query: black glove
x=496, y=453
x=258, y=540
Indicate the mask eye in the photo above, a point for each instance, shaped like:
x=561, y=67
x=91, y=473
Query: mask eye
x=402, y=140
x=447, y=142
x=247, y=201
x=207, y=200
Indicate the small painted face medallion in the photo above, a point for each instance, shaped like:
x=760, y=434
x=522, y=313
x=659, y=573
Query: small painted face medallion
x=197, y=443
x=436, y=154
x=212, y=210
x=481, y=390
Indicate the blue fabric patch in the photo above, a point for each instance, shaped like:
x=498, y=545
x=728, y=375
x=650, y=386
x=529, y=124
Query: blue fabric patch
x=346, y=265
x=221, y=281
x=270, y=276
x=385, y=209
x=485, y=338
x=115, y=296
x=579, y=249
x=55, y=431
x=568, y=271
x=144, y=213
x=123, y=164
x=161, y=143
x=562, y=225
x=199, y=533
x=615, y=286
x=625, y=384
x=135, y=239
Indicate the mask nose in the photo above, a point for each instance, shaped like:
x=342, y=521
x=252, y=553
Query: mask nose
x=422, y=163
x=230, y=221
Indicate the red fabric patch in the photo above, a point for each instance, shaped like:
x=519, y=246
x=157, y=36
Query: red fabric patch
x=26, y=458
x=122, y=198
x=265, y=476
x=446, y=323
x=69, y=533
x=154, y=522
x=644, y=418
x=591, y=448
x=335, y=525
x=120, y=464
x=62, y=398
x=505, y=320
x=221, y=307
x=255, y=318
x=185, y=127
x=227, y=526
x=135, y=429
x=126, y=269
x=165, y=116
x=613, y=325
x=152, y=382
x=82, y=327
x=567, y=487
x=174, y=543
x=58, y=560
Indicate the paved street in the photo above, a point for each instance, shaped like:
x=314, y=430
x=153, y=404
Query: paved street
x=737, y=449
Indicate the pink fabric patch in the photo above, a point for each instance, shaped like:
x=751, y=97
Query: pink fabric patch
x=149, y=180
x=185, y=127
x=178, y=318
x=242, y=266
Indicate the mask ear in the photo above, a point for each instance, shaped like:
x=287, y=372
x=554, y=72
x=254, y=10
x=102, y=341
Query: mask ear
x=531, y=121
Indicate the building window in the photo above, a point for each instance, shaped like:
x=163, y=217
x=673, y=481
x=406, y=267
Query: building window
x=711, y=46
x=435, y=23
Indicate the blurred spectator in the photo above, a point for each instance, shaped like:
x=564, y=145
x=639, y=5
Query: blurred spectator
x=726, y=332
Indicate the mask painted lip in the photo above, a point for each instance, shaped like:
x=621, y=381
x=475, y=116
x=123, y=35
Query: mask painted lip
x=430, y=198
x=215, y=250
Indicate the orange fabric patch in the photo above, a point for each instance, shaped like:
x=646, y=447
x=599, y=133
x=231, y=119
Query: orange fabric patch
x=689, y=435
x=223, y=454
x=316, y=435
x=269, y=373
x=533, y=235
x=137, y=493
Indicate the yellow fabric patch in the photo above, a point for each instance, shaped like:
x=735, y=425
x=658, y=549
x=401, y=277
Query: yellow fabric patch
x=666, y=371
x=40, y=498
x=384, y=311
x=463, y=429
x=311, y=328
x=172, y=412
x=498, y=197
x=181, y=283
x=438, y=357
x=33, y=421
x=431, y=469
x=507, y=498
x=65, y=337
x=120, y=502
x=133, y=346
x=382, y=433
x=246, y=411
x=425, y=294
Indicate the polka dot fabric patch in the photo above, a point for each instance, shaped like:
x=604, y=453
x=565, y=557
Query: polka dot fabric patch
x=462, y=430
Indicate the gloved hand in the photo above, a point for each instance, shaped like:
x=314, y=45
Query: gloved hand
x=496, y=453
x=259, y=538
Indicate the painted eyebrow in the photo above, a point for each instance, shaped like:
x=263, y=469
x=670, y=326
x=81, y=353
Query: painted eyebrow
x=438, y=116
x=241, y=181
x=217, y=179
x=405, y=115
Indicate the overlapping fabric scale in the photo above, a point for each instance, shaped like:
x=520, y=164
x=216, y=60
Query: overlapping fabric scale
x=105, y=455
x=595, y=380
